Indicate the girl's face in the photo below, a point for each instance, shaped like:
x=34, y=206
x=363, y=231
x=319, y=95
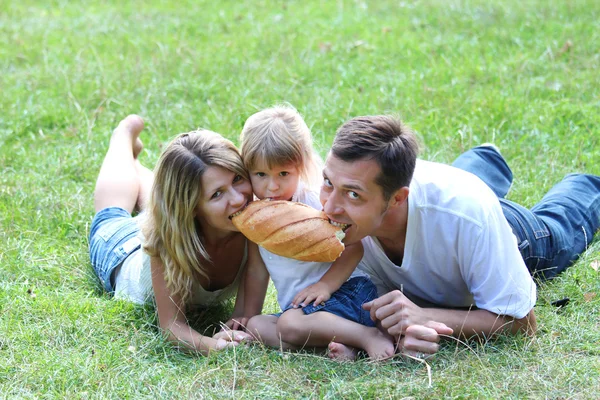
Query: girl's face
x=277, y=183
x=223, y=194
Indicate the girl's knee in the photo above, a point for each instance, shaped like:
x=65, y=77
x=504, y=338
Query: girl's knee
x=291, y=327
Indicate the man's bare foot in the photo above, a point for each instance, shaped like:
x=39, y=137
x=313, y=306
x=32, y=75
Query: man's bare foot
x=129, y=129
x=379, y=345
x=341, y=352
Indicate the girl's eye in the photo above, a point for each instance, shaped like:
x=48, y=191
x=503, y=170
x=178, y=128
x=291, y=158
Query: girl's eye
x=353, y=195
x=327, y=182
x=284, y=173
x=216, y=194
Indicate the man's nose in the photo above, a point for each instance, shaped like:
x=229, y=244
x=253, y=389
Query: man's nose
x=330, y=204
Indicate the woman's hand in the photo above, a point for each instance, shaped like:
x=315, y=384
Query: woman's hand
x=232, y=336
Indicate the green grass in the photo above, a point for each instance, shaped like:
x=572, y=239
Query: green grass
x=521, y=74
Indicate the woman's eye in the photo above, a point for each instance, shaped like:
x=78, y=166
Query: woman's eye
x=353, y=195
x=216, y=194
x=237, y=178
x=327, y=182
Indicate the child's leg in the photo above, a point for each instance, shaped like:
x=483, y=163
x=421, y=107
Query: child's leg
x=264, y=328
x=118, y=183
x=320, y=328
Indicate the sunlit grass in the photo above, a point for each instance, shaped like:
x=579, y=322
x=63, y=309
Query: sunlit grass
x=521, y=74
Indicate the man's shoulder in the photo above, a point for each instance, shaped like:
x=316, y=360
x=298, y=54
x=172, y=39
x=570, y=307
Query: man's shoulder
x=443, y=186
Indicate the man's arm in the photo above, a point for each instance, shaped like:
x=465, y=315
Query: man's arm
x=396, y=313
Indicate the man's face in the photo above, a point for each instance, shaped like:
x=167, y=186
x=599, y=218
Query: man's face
x=350, y=196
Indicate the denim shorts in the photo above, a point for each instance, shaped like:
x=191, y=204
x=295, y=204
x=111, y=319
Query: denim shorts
x=113, y=238
x=347, y=301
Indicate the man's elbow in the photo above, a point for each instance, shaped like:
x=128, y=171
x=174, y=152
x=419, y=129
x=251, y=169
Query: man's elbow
x=527, y=325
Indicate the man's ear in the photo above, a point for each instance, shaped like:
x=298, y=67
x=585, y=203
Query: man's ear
x=399, y=197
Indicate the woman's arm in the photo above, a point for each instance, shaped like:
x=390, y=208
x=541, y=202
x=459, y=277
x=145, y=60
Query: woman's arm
x=256, y=282
x=172, y=320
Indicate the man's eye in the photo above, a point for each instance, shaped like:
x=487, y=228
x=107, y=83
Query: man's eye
x=327, y=182
x=216, y=194
x=353, y=195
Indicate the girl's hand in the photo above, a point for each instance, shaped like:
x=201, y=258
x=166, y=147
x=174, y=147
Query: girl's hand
x=319, y=292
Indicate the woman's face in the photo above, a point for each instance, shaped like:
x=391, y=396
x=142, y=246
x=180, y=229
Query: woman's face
x=223, y=194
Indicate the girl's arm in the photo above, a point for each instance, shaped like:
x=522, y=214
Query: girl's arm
x=172, y=320
x=256, y=282
x=338, y=273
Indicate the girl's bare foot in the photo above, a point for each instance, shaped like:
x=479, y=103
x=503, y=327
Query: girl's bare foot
x=341, y=352
x=128, y=131
x=379, y=345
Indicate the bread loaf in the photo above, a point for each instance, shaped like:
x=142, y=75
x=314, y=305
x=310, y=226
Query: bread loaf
x=291, y=229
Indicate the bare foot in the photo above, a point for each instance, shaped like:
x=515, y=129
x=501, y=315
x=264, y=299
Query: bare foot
x=129, y=129
x=379, y=345
x=341, y=352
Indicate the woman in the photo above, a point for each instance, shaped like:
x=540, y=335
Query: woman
x=189, y=254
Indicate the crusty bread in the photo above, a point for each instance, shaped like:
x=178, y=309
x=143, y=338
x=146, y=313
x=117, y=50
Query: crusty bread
x=291, y=229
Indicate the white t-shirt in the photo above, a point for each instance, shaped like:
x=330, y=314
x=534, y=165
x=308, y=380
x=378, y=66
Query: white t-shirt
x=133, y=281
x=459, y=251
x=291, y=276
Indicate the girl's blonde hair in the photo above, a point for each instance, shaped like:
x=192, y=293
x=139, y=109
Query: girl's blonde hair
x=172, y=231
x=278, y=136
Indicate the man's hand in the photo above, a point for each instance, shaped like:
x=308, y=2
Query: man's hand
x=421, y=341
x=319, y=292
x=396, y=312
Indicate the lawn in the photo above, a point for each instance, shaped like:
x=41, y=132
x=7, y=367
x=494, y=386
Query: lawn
x=521, y=74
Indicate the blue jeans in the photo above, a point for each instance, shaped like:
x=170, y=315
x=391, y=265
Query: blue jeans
x=347, y=301
x=113, y=238
x=553, y=233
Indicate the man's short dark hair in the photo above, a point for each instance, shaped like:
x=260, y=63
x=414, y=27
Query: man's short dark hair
x=384, y=139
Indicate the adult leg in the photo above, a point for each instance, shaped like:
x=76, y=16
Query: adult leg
x=487, y=163
x=320, y=328
x=118, y=183
x=571, y=210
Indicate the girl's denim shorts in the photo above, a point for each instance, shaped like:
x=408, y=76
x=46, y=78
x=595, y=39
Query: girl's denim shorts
x=347, y=301
x=113, y=238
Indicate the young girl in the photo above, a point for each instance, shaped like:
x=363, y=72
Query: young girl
x=192, y=254
x=319, y=301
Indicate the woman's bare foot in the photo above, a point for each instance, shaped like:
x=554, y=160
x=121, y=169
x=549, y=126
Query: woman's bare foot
x=129, y=130
x=341, y=352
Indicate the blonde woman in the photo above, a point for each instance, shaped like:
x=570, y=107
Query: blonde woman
x=183, y=251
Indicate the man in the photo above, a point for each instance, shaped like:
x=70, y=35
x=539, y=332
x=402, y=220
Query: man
x=441, y=242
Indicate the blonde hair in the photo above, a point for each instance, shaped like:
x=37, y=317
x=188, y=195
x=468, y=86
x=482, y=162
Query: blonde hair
x=172, y=231
x=278, y=136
